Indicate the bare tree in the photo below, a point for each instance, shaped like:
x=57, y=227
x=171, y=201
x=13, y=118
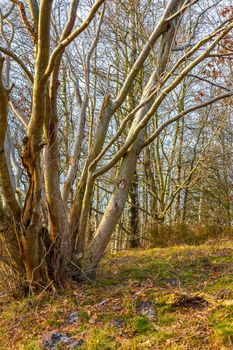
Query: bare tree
x=84, y=124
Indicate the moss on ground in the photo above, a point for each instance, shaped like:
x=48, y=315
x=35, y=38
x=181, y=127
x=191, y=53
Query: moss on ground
x=174, y=298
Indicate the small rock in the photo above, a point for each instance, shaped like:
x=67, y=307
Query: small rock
x=117, y=323
x=75, y=344
x=73, y=317
x=57, y=337
x=172, y=282
x=146, y=309
x=53, y=339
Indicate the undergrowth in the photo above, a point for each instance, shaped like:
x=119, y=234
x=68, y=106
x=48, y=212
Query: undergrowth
x=174, y=298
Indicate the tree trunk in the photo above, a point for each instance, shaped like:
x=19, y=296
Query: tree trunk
x=134, y=213
x=127, y=169
x=33, y=249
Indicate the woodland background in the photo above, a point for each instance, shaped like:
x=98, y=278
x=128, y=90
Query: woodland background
x=115, y=131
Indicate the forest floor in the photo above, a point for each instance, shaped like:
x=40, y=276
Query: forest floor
x=173, y=298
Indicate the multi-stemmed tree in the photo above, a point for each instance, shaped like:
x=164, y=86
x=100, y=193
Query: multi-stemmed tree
x=70, y=89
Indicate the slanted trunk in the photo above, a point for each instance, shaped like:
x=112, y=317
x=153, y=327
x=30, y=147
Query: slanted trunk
x=10, y=213
x=81, y=205
x=113, y=212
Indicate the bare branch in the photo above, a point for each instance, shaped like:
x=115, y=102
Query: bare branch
x=19, y=61
x=182, y=114
x=23, y=14
x=62, y=45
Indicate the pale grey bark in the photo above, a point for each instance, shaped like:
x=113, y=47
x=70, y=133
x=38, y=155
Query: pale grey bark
x=80, y=132
x=116, y=204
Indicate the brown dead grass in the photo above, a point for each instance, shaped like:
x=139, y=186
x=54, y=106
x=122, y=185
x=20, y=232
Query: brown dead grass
x=190, y=289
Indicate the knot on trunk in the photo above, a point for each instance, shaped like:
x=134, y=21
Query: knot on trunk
x=27, y=156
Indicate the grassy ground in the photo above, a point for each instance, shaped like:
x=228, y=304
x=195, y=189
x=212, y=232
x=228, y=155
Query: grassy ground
x=168, y=298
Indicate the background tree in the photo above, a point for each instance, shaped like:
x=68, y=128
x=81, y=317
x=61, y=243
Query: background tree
x=113, y=126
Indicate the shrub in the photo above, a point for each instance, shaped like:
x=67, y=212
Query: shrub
x=182, y=233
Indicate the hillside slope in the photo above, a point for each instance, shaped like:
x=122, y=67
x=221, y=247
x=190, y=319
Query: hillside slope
x=174, y=298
